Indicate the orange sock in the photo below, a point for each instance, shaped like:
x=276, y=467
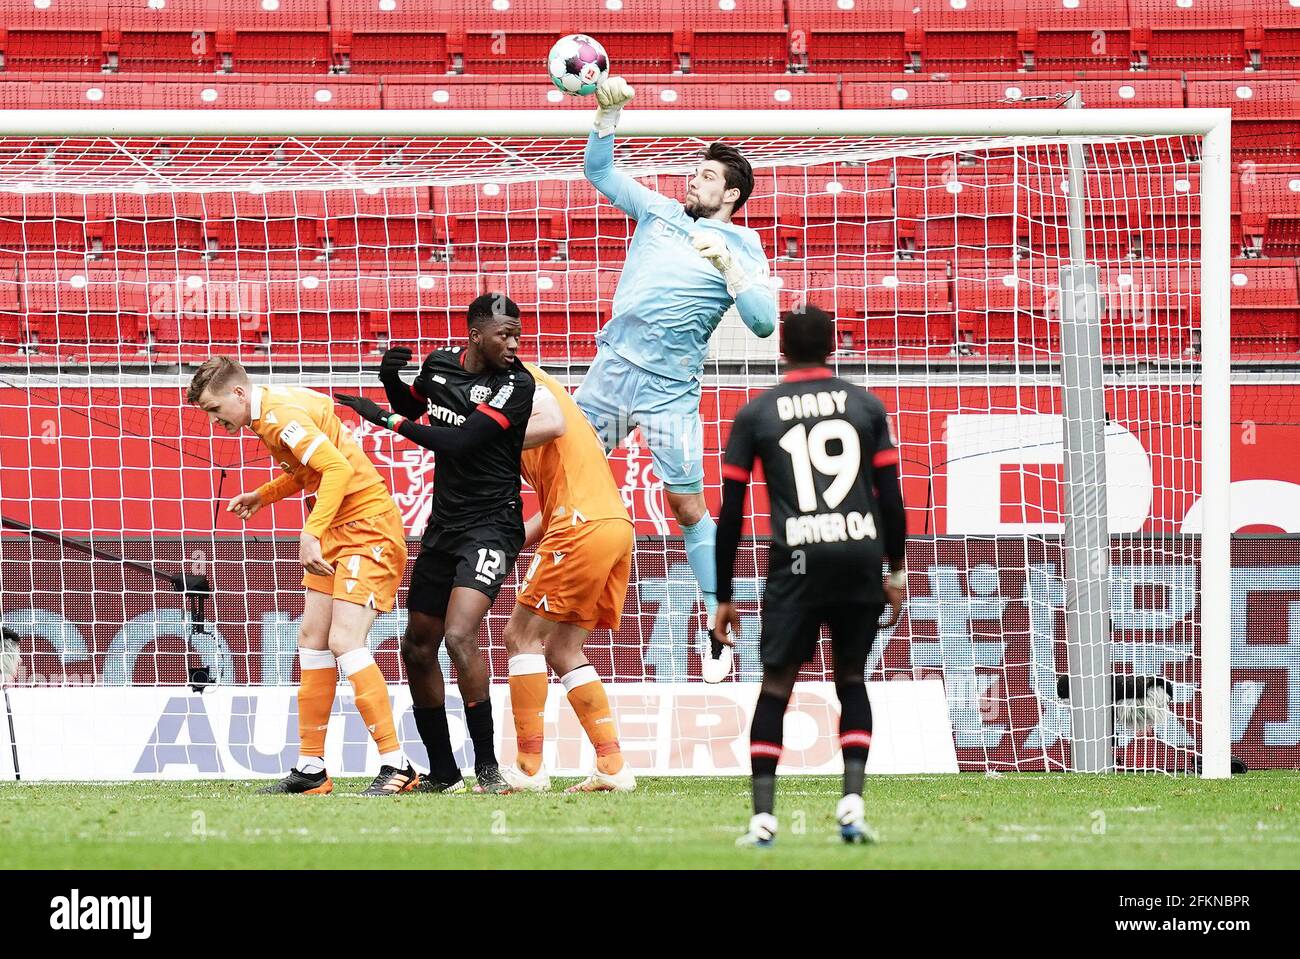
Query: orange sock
x=320, y=677
x=371, y=695
x=528, y=688
x=587, y=696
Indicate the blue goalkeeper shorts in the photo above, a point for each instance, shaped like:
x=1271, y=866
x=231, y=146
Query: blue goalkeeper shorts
x=617, y=397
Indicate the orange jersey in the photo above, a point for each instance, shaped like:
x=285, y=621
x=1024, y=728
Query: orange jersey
x=318, y=455
x=571, y=474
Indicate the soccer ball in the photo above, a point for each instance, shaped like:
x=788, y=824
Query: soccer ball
x=576, y=64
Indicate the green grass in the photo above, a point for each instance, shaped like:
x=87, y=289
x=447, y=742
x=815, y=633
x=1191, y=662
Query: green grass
x=966, y=822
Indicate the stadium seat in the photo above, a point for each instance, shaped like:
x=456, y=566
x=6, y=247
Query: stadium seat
x=737, y=36
x=389, y=36
x=59, y=37
x=1279, y=38
x=176, y=36
x=970, y=35
x=1265, y=112
x=514, y=37
x=1192, y=34
x=276, y=36
x=1265, y=307
x=493, y=221
x=731, y=92
x=173, y=92
x=1019, y=91
x=1270, y=210
x=1078, y=35
x=854, y=36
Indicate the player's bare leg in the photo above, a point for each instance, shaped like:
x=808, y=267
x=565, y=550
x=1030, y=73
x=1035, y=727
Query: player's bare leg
x=465, y=611
x=533, y=643
x=419, y=646
x=765, y=741
x=700, y=533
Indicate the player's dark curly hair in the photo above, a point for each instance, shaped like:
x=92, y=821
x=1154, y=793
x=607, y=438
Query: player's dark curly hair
x=490, y=306
x=739, y=176
x=807, y=334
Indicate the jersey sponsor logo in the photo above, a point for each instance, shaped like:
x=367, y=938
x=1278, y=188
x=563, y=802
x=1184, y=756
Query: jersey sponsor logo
x=444, y=415
x=829, y=528
x=807, y=405
x=503, y=394
x=292, y=434
x=479, y=392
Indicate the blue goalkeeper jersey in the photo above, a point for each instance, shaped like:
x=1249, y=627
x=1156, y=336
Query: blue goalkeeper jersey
x=669, y=298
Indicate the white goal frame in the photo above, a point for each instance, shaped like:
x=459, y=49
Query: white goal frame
x=1212, y=125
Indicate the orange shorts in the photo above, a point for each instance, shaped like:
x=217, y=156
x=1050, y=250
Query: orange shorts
x=580, y=574
x=369, y=560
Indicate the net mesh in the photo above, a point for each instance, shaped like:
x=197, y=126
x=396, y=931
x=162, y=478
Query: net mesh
x=132, y=260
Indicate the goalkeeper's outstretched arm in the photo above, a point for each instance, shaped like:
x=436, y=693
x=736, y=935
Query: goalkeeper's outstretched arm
x=598, y=159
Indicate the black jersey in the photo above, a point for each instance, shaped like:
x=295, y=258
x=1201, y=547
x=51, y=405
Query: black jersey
x=482, y=486
x=820, y=438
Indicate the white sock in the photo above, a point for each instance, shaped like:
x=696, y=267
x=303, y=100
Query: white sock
x=310, y=764
x=353, y=662
x=396, y=759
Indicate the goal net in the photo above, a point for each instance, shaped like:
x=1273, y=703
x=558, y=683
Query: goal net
x=1039, y=298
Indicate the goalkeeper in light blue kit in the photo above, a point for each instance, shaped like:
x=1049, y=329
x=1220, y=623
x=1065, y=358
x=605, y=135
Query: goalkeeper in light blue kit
x=687, y=264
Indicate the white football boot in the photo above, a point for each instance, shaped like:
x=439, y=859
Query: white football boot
x=598, y=782
x=762, y=832
x=853, y=827
x=716, y=659
x=538, y=782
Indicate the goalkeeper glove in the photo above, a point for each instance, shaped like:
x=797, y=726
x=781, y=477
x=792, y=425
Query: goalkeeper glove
x=370, y=410
x=611, y=95
x=713, y=248
x=394, y=361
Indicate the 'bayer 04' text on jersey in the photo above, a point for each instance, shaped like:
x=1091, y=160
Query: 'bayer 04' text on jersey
x=820, y=438
x=482, y=486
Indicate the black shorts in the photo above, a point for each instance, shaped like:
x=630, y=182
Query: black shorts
x=480, y=558
x=791, y=631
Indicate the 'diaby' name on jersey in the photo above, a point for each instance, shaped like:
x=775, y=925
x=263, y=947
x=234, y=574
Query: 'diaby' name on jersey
x=810, y=405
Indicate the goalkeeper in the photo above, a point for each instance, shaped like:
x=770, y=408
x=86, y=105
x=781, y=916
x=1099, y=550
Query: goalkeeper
x=688, y=263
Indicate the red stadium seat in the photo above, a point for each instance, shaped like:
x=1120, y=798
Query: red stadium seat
x=1082, y=34
x=64, y=36
x=1265, y=112
x=854, y=36
x=1279, y=40
x=735, y=92
x=1015, y=90
x=514, y=37
x=1265, y=307
x=1193, y=34
x=390, y=36
x=731, y=36
x=166, y=92
x=970, y=35
x=1270, y=210
x=174, y=36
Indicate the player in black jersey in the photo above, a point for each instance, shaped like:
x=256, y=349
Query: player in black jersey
x=837, y=512
x=478, y=399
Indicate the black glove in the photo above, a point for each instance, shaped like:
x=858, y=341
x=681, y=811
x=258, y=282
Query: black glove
x=394, y=361
x=368, y=409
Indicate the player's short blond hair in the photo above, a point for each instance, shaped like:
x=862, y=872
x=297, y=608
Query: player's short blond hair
x=216, y=374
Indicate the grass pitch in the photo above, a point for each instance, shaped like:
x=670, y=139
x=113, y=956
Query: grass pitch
x=964, y=822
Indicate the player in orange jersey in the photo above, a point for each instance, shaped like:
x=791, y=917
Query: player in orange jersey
x=576, y=583
x=353, y=549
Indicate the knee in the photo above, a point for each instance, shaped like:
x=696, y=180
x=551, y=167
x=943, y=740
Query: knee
x=688, y=508
x=418, y=650
x=463, y=647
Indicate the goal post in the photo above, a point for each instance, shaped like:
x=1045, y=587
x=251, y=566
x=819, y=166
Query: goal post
x=972, y=256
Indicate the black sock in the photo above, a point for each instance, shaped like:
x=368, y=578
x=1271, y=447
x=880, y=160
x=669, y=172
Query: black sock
x=431, y=721
x=765, y=735
x=478, y=718
x=855, y=733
